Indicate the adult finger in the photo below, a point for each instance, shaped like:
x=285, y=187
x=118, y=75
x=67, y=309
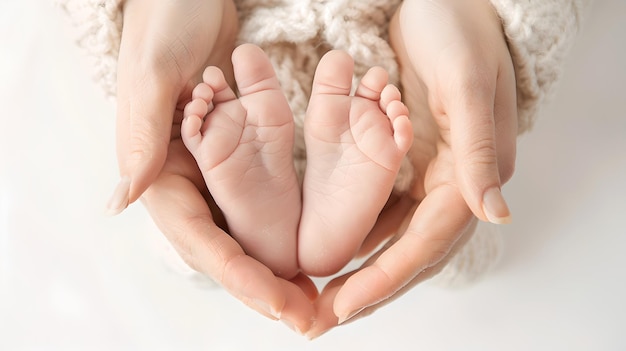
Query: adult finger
x=182, y=214
x=150, y=82
x=427, y=240
x=387, y=224
x=146, y=101
x=468, y=109
x=326, y=318
x=505, y=116
x=144, y=122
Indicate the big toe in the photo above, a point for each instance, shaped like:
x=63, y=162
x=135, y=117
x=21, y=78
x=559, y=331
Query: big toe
x=253, y=70
x=334, y=74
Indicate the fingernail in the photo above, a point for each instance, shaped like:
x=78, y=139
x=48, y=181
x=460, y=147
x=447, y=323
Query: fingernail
x=265, y=308
x=292, y=326
x=119, y=200
x=495, y=207
x=349, y=315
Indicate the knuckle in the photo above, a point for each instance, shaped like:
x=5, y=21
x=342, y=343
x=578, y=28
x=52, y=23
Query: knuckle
x=140, y=149
x=147, y=138
x=183, y=247
x=192, y=243
x=437, y=248
x=440, y=252
x=479, y=154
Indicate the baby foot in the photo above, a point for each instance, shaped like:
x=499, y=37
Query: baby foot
x=355, y=145
x=244, y=150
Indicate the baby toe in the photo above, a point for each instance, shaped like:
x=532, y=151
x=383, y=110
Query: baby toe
x=197, y=107
x=396, y=109
x=373, y=83
x=202, y=91
x=389, y=94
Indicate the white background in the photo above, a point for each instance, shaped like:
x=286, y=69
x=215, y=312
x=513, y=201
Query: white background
x=73, y=279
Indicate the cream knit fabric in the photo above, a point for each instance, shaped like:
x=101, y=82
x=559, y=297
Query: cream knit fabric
x=296, y=33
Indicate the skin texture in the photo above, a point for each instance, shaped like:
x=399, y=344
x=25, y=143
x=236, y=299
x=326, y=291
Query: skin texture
x=459, y=87
x=165, y=48
x=355, y=145
x=458, y=82
x=244, y=150
x=243, y=146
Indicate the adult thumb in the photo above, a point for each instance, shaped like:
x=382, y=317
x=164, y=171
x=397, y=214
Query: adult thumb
x=143, y=129
x=474, y=141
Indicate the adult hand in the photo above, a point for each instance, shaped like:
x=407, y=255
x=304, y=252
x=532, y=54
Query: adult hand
x=165, y=46
x=455, y=56
x=459, y=84
x=179, y=202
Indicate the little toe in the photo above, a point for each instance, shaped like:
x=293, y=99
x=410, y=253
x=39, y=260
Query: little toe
x=372, y=83
x=398, y=115
x=334, y=74
x=190, y=131
x=403, y=133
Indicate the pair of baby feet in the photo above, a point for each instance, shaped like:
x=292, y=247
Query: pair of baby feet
x=243, y=146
